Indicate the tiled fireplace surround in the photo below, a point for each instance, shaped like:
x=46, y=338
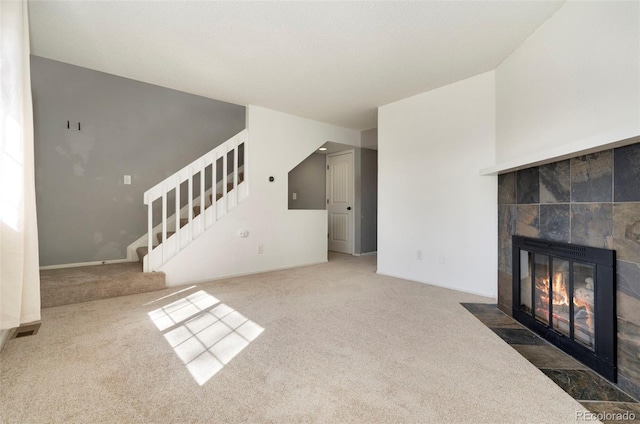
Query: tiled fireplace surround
x=591, y=200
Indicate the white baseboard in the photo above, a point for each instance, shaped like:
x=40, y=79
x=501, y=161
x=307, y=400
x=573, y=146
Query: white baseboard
x=111, y=261
x=375, y=252
x=478, y=293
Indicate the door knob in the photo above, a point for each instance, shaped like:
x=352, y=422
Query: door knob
x=348, y=208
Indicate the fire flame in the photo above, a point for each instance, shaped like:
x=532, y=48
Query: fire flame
x=560, y=300
x=560, y=296
x=560, y=292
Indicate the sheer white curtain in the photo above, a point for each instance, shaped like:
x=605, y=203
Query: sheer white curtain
x=19, y=274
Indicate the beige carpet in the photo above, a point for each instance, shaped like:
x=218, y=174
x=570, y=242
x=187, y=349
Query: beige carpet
x=339, y=344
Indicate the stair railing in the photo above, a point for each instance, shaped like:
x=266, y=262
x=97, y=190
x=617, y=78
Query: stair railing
x=229, y=159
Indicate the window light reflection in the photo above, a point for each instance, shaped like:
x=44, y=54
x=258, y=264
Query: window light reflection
x=204, y=333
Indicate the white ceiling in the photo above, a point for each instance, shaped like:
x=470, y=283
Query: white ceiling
x=331, y=61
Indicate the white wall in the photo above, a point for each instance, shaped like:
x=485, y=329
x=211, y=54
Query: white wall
x=277, y=143
x=574, y=84
x=430, y=194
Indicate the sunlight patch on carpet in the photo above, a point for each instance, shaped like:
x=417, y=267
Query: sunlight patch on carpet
x=204, y=333
x=169, y=295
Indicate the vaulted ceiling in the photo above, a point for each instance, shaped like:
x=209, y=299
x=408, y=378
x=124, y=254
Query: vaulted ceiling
x=334, y=62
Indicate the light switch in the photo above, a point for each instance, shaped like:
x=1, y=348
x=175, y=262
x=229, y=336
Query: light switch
x=127, y=179
x=295, y=196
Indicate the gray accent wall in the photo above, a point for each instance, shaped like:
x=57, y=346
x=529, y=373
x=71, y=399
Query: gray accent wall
x=369, y=201
x=85, y=212
x=366, y=200
x=369, y=139
x=309, y=181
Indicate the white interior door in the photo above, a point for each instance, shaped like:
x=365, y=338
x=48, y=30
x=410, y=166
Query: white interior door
x=340, y=196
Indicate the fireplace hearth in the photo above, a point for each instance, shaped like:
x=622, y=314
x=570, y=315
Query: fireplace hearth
x=567, y=294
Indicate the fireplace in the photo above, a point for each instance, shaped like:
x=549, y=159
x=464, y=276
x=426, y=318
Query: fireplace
x=566, y=293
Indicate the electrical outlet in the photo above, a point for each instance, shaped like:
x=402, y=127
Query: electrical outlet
x=127, y=179
x=441, y=258
x=419, y=254
x=260, y=249
x=295, y=196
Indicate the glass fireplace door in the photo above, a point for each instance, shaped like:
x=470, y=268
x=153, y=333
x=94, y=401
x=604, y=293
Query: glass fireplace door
x=567, y=293
x=559, y=293
x=541, y=297
x=525, y=281
x=561, y=297
x=583, y=304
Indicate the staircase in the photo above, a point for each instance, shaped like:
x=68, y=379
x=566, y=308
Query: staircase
x=219, y=174
x=181, y=207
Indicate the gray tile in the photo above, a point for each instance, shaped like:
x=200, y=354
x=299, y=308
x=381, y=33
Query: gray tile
x=519, y=336
x=502, y=321
x=586, y=385
x=528, y=186
x=626, y=230
x=490, y=315
x=554, y=222
x=482, y=308
x=626, y=162
x=547, y=356
x=527, y=222
x=555, y=182
x=591, y=177
x=506, y=229
x=629, y=387
x=592, y=224
x=628, y=351
x=627, y=307
x=505, y=292
x=507, y=189
x=628, y=278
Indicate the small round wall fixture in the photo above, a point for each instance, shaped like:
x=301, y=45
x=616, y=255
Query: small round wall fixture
x=271, y=179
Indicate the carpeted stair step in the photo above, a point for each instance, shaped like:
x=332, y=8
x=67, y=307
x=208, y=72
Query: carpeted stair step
x=142, y=252
x=159, y=235
x=82, y=284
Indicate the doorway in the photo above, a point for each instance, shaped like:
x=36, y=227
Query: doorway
x=340, y=201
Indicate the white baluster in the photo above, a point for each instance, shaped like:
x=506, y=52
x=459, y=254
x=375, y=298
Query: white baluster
x=224, y=178
x=235, y=167
x=149, y=233
x=190, y=193
x=214, y=188
x=202, y=198
x=164, y=223
x=178, y=216
x=245, y=181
